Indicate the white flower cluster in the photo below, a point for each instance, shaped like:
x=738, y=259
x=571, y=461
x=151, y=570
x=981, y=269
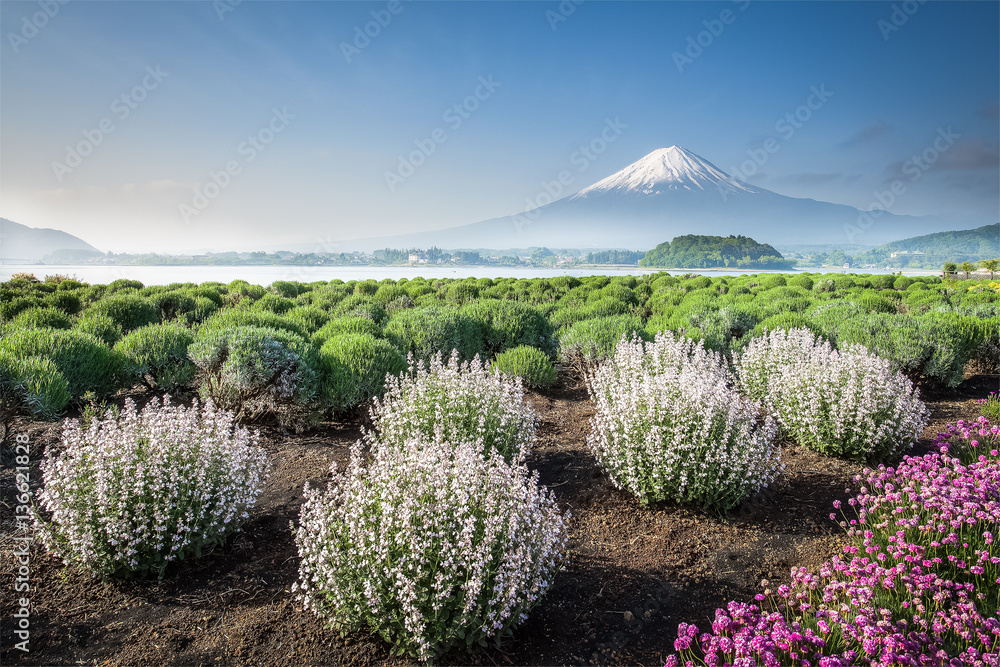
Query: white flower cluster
x=432, y=546
x=136, y=492
x=464, y=401
x=847, y=402
x=669, y=426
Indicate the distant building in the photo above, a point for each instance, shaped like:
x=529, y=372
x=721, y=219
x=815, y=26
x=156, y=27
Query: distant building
x=900, y=253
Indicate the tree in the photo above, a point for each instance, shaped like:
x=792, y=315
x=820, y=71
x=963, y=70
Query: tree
x=990, y=265
x=949, y=268
x=967, y=268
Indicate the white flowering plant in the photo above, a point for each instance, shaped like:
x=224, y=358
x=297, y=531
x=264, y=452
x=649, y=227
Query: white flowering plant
x=433, y=546
x=668, y=425
x=133, y=493
x=846, y=402
x=465, y=401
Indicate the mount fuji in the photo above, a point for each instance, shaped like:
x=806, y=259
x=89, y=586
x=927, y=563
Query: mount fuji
x=671, y=192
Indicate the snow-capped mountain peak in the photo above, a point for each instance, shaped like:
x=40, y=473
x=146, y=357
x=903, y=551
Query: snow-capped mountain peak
x=665, y=169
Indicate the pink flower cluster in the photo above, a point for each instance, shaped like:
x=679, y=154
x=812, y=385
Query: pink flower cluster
x=919, y=583
x=970, y=441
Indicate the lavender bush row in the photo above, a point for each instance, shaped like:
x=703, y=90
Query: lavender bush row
x=847, y=403
x=921, y=586
x=668, y=426
x=137, y=492
x=432, y=546
x=456, y=401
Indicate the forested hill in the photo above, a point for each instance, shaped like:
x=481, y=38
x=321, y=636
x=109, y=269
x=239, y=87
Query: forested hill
x=705, y=252
x=958, y=246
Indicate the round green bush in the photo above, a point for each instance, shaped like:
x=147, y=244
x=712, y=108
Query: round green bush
x=354, y=368
x=424, y=332
x=128, y=311
x=366, y=287
x=43, y=317
x=528, y=363
x=66, y=301
x=273, y=303
x=33, y=384
x=360, y=305
x=803, y=281
x=255, y=371
x=85, y=362
x=508, y=324
x=100, y=326
x=231, y=318
x=595, y=340
x=310, y=318
x=157, y=354
x=346, y=325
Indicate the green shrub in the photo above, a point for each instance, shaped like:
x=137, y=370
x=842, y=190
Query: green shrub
x=310, y=318
x=424, y=332
x=43, y=317
x=287, y=288
x=355, y=367
x=359, y=305
x=595, y=340
x=803, y=281
x=85, y=362
x=11, y=307
x=387, y=293
x=273, y=303
x=902, y=282
x=346, y=325
x=67, y=302
x=32, y=384
x=157, y=354
x=509, y=324
x=100, y=326
x=366, y=287
x=882, y=281
x=231, y=318
x=128, y=311
x=528, y=363
x=256, y=371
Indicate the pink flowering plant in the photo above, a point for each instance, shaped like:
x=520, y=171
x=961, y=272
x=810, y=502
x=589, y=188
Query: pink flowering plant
x=669, y=426
x=845, y=402
x=465, y=401
x=135, y=492
x=919, y=584
x=432, y=546
x=970, y=441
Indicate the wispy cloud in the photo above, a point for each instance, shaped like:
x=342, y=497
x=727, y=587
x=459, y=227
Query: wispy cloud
x=969, y=154
x=868, y=134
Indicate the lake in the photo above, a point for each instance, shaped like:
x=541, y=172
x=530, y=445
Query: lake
x=265, y=275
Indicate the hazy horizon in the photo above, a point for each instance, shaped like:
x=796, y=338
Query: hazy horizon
x=307, y=129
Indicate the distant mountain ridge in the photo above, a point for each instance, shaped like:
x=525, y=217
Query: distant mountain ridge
x=668, y=193
x=932, y=250
x=22, y=243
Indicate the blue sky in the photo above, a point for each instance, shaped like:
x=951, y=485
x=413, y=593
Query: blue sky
x=300, y=136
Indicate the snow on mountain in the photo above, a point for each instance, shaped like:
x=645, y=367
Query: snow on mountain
x=672, y=168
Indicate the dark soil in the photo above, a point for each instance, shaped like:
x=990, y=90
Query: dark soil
x=633, y=574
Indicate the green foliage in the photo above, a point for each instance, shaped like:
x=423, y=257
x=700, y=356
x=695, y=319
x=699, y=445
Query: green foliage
x=66, y=301
x=363, y=306
x=803, y=281
x=31, y=384
x=43, y=317
x=528, y=363
x=100, y=326
x=354, y=368
x=509, y=324
x=129, y=311
x=85, y=362
x=157, y=354
x=310, y=318
x=693, y=251
x=273, y=303
x=595, y=340
x=287, y=289
x=255, y=370
x=232, y=318
x=366, y=287
x=423, y=332
x=346, y=325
